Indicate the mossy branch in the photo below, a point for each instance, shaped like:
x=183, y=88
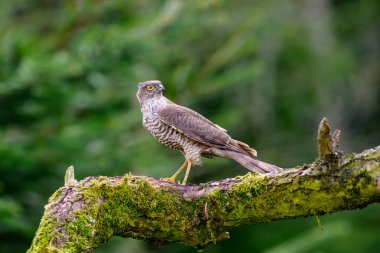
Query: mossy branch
x=84, y=215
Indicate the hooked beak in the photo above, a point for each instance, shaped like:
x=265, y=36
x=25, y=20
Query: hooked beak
x=161, y=87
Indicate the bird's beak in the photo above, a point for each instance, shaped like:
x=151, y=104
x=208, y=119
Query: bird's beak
x=161, y=87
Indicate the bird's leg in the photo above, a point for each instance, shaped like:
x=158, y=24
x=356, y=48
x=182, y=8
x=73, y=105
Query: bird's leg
x=172, y=178
x=187, y=173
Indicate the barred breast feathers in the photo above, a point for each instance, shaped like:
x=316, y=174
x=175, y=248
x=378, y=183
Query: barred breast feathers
x=162, y=132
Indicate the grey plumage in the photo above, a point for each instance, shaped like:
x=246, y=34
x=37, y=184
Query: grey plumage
x=183, y=129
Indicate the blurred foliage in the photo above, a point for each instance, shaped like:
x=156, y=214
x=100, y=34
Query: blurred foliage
x=267, y=71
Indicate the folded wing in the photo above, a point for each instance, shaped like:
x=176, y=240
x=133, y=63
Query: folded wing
x=194, y=125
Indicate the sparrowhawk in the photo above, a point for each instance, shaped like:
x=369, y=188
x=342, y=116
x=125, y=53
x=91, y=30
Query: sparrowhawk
x=192, y=134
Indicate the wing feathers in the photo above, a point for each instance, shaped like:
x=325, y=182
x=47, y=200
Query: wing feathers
x=200, y=129
x=193, y=125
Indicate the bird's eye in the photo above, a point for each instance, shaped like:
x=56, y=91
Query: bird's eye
x=149, y=87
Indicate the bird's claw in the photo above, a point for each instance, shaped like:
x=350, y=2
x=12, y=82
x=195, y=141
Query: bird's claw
x=168, y=179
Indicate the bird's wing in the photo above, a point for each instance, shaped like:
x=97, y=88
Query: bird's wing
x=194, y=125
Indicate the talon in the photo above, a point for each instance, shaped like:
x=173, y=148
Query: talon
x=168, y=179
x=172, y=178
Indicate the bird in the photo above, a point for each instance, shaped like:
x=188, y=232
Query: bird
x=195, y=136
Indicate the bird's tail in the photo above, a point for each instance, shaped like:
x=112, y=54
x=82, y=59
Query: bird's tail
x=251, y=163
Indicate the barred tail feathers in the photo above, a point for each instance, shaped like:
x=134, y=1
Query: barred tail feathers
x=241, y=147
x=251, y=163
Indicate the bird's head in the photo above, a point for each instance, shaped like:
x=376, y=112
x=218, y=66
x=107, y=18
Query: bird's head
x=149, y=89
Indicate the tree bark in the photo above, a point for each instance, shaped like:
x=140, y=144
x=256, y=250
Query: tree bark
x=83, y=215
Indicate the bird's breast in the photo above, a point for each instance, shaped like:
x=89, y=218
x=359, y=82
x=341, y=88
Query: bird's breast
x=163, y=133
x=168, y=135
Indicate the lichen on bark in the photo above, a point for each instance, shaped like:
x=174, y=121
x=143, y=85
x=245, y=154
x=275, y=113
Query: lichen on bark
x=84, y=215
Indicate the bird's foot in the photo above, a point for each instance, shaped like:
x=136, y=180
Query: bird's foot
x=168, y=179
x=172, y=178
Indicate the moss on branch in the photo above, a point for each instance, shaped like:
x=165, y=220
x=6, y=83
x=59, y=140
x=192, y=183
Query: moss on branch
x=84, y=215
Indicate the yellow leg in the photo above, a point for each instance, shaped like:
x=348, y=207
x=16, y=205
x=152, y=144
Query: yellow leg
x=187, y=172
x=172, y=178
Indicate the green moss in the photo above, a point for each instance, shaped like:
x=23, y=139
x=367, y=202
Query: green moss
x=56, y=195
x=130, y=206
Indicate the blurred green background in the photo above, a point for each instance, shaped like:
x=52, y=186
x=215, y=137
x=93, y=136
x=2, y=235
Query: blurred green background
x=267, y=71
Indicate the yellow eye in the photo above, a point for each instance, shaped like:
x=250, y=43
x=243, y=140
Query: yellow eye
x=149, y=87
